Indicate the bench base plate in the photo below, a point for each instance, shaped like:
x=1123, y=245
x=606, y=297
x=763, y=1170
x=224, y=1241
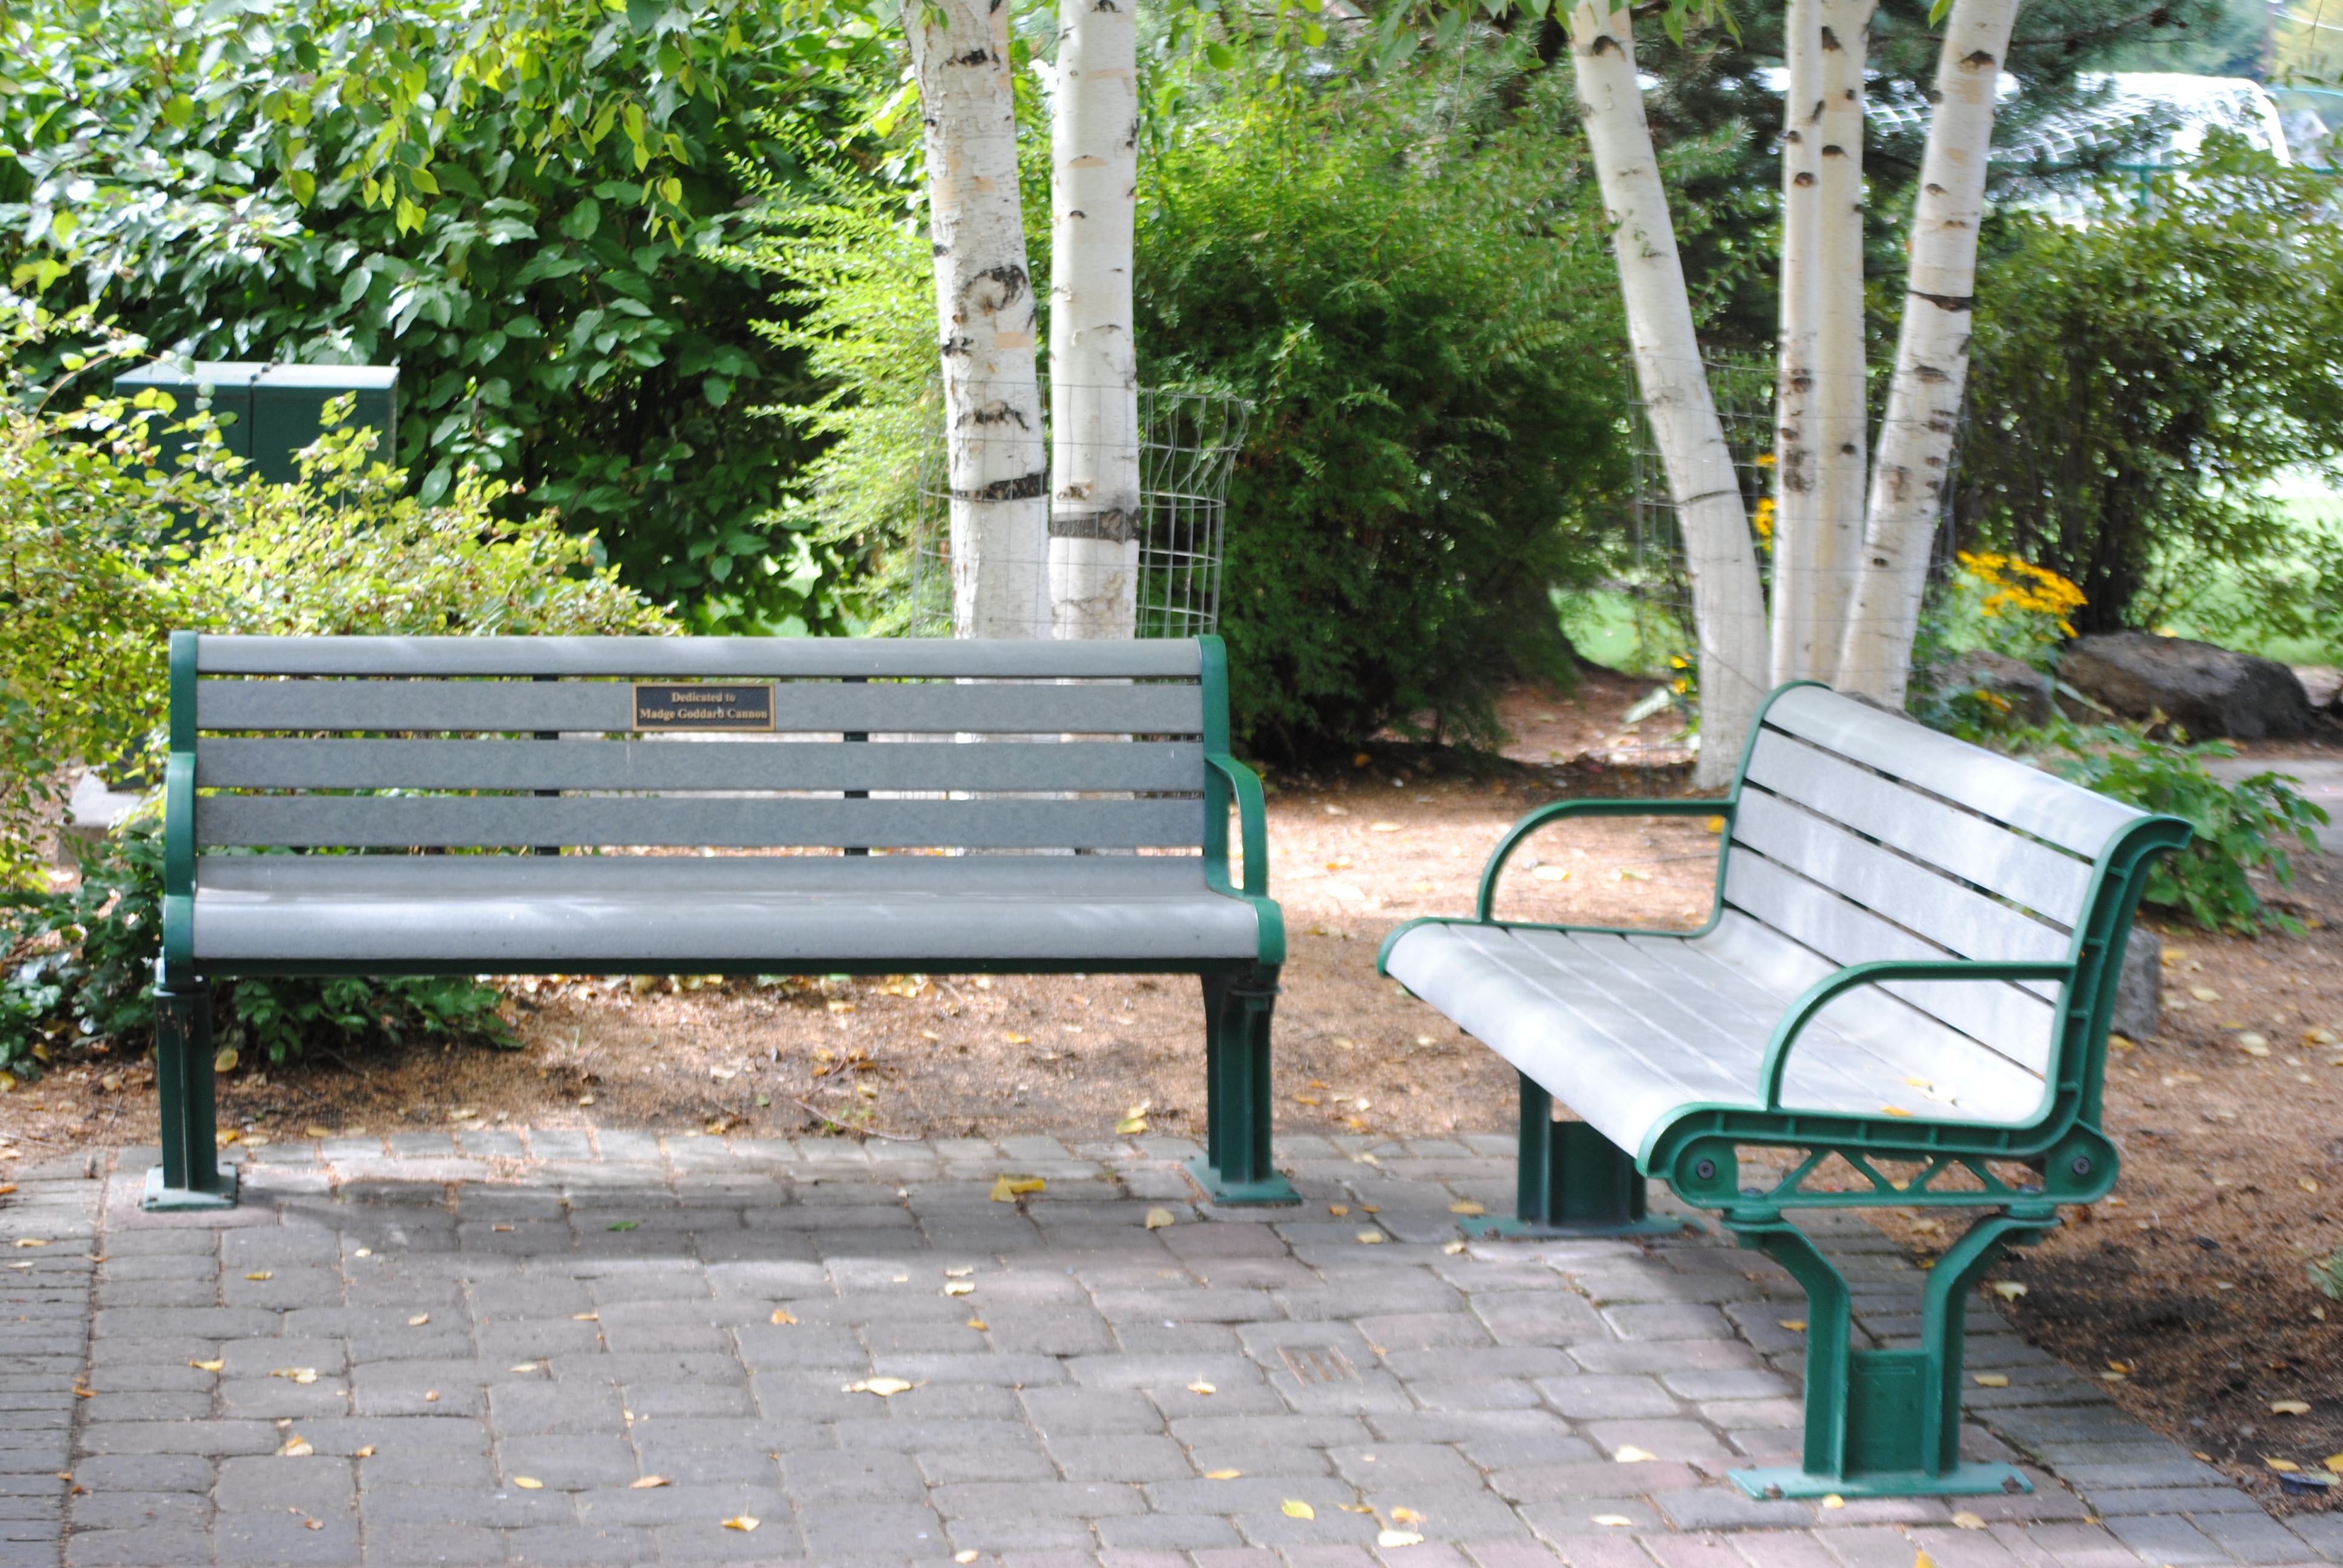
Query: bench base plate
x=1499, y=1227
x=1271, y=1189
x=1961, y=1480
x=162, y=1200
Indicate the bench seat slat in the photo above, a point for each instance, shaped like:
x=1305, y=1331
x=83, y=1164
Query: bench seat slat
x=1552, y=1004
x=1963, y=922
x=636, y=765
x=2017, y=868
x=601, y=913
x=816, y=708
x=494, y=821
x=2025, y=798
x=2011, y=1021
x=711, y=658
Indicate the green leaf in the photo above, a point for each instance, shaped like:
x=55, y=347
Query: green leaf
x=582, y=220
x=717, y=390
x=1222, y=57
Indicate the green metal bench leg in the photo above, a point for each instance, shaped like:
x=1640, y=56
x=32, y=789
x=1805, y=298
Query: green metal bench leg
x=192, y=1175
x=1236, y=1166
x=1884, y=1424
x=1574, y=1182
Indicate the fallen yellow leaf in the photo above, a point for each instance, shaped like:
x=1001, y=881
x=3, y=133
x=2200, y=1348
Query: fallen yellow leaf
x=1614, y=1520
x=1157, y=1218
x=1451, y=1248
x=224, y=1060
x=1338, y=1210
x=968, y=1555
x=298, y=1375
x=207, y=1366
x=1892, y=1110
x=296, y=1447
x=884, y=1387
x=1131, y=1126
x=528, y=1482
x=1223, y=1474
x=1397, y=1538
x=1018, y=1038
x=977, y=1323
x=1628, y=1453
x=418, y=1319
x=1466, y=1206
x=1293, y=1508
x=1990, y=1379
x=1965, y=1519
x=262, y=1274
x=2289, y=1407
x=2283, y=1466
x=1924, y=1561
x=366, y=1452
x=1407, y=1516
x=960, y=1287
x=1832, y=1500
x=2306, y=1184
x=44, y=1241
x=742, y=1522
x=589, y=1317
x=647, y=1481
x=318, y=1131
x=1201, y=1387
x=1008, y=1189
x=2334, y=1462
x=2204, y=993
x=525, y=1366
x=959, y=1271
x=2009, y=1290
x=1368, y=1238
x=1795, y=1325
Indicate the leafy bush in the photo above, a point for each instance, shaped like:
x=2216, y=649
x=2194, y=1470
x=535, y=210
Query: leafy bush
x=554, y=286
x=2138, y=382
x=92, y=587
x=2239, y=826
x=1412, y=287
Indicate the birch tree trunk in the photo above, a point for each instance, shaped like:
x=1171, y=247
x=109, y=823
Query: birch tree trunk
x=1795, y=515
x=985, y=318
x=1095, y=515
x=1728, y=607
x=1840, y=413
x=1923, y=401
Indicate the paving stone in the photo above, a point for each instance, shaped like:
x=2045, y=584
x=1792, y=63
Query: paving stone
x=2167, y=1538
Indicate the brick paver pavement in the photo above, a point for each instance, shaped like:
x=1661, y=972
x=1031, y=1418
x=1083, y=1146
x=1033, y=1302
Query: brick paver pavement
x=480, y=1349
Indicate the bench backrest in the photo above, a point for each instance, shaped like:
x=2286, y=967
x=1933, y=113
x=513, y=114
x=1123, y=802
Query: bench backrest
x=519, y=743
x=1865, y=836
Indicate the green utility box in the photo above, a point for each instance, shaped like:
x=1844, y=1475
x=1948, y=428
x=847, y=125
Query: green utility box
x=269, y=412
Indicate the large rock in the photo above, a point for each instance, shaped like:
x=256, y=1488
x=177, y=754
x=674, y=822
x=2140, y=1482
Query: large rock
x=2139, y=989
x=2026, y=689
x=2206, y=690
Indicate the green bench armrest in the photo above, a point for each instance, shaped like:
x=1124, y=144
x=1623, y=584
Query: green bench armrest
x=1487, y=902
x=1821, y=994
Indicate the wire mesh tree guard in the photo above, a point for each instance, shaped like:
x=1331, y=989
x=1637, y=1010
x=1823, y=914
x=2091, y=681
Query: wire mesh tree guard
x=1656, y=584
x=1188, y=446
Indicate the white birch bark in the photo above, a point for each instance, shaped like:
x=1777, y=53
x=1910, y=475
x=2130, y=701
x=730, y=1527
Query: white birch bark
x=1923, y=401
x=1095, y=516
x=1795, y=515
x=1728, y=607
x=985, y=318
x=1839, y=413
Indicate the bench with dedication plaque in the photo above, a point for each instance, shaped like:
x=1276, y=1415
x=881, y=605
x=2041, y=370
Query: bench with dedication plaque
x=398, y=806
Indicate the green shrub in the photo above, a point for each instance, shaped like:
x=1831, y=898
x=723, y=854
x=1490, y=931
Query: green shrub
x=1415, y=294
x=93, y=586
x=2239, y=826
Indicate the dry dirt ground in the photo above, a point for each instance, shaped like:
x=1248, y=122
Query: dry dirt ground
x=2188, y=1288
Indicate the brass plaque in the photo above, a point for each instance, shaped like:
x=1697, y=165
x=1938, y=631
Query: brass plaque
x=665, y=706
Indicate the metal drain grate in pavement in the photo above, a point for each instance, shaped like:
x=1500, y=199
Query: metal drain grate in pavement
x=1317, y=1363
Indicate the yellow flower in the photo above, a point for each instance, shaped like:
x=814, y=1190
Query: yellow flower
x=1764, y=521
x=1766, y=460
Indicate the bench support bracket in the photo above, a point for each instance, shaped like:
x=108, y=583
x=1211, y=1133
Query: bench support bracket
x=192, y=1175
x=1235, y=1167
x=1885, y=1423
x=1574, y=1182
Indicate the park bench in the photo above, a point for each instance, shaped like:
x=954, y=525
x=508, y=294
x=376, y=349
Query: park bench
x=1905, y=981
x=401, y=806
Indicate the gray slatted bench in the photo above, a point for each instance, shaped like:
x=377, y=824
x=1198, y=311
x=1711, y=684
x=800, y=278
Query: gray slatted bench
x=499, y=754
x=1905, y=981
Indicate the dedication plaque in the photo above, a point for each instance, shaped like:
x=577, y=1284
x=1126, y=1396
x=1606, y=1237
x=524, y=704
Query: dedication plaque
x=664, y=707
